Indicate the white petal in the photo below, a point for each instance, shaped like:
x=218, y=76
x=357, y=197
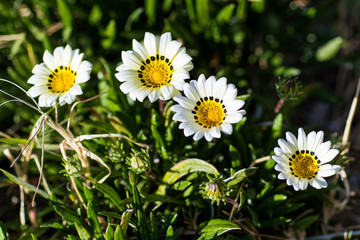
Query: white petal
x=58, y=53
x=233, y=118
x=327, y=170
x=85, y=66
x=331, y=154
x=130, y=60
x=150, y=44
x=311, y=138
x=184, y=102
x=41, y=69
x=303, y=183
x=215, y=132
x=172, y=49
x=301, y=139
x=226, y=128
x=318, y=140
x=49, y=60
x=181, y=60
x=38, y=80
x=230, y=93
x=321, y=181
x=66, y=56
x=140, y=50
x=277, y=151
x=129, y=86
x=291, y=140
x=76, y=90
x=198, y=135
x=285, y=147
x=313, y=182
x=220, y=88
x=322, y=150
x=165, y=39
x=37, y=90
x=208, y=136
x=76, y=60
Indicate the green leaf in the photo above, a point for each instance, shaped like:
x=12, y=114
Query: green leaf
x=71, y=237
x=26, y=185
x=169, y=233
x=239, y=176
x=118, y=234
x=216, y=227
x=159, y=139
x=55, y=225
x=94, y=222
x=2, y=231
x=225, y=13
x=125, y=220
x=235, y=157
x=67, y=214
x=154, y=227
x=90, y=197
x=95, y=15
x=84, y=233
x=305, y=222
x=109, y=233
x=33, y=237
x=188, y=166
x=142, y=221
x=329, y=49
x=133, y=17
x=150, y=11
x=180, y=186
x=202, y=12
x=14, y=140
x=64, y=12
x=110, y=193
x=277, y=126
x=109, y=35
x=254, y=217
x=110, y=214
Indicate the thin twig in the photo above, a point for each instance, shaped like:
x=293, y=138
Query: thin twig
x=349, y=120
x=41, y=163
x=259, y=160
x=27, y=144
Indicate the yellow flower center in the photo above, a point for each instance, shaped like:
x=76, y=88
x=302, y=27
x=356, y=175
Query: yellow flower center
x=61, y=80
x=304, y=164
x=155, y=72
x=209, y=112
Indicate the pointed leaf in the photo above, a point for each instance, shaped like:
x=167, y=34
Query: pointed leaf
x=216, y=227
x=26, y=185
x=109, y=192
x=84, y=233
x=188, y=166
x=94, y=222
x=239, y=176
x=329, y=49
x=125, y=220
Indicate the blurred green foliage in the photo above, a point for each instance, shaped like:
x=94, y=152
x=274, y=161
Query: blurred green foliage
x=251, y=43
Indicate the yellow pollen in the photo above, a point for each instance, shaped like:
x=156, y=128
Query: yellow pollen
x=209, y=113
x=155, y=72
x=304, y=165
x=61, y=80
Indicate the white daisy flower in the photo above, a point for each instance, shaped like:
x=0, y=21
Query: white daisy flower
x=156, y=69
x=304, y=160
x=59, y=76
x=210, y=106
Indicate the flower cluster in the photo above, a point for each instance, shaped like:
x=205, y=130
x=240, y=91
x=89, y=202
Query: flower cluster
x=158, y=69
